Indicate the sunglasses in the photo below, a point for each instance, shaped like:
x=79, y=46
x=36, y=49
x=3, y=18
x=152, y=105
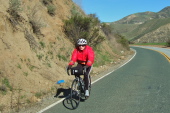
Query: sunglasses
x=82, y=45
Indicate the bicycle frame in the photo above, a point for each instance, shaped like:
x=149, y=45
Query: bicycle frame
x=80, y=89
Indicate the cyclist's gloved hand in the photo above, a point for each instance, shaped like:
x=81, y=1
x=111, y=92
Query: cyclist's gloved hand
x=69, y=67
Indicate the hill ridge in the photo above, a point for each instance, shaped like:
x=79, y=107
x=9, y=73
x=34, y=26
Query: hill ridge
x=136, y=25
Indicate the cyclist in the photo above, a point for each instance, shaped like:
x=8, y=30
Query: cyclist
x=83, y=54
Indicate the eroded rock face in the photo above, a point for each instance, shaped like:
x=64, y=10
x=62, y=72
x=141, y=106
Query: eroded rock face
x=161, y=34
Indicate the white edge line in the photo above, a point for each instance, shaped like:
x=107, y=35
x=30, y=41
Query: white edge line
x=50, y=106
x=117, y=68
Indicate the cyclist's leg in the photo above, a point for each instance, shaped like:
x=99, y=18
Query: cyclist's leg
x=87, y=77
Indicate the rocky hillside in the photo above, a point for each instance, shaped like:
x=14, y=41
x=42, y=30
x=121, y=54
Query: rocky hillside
x=139, y=18
x=153, y=31
x=35, y=51
x=145, y=26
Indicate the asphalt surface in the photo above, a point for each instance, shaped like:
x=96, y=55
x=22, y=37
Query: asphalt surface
x=164, y=50
x=140, y=86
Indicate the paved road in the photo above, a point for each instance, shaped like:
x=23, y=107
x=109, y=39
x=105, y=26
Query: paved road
x=141, y=86
x=164, y=50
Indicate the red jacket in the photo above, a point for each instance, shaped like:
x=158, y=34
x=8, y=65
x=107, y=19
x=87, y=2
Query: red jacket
x=85, y=56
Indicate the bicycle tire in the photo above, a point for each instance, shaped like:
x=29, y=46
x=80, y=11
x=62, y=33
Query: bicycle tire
x=82, y=89
x=75, y=90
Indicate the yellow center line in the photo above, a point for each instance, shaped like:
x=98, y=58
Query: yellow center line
x=166, y=56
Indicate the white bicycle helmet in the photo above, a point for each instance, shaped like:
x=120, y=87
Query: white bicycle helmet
x=82, y=41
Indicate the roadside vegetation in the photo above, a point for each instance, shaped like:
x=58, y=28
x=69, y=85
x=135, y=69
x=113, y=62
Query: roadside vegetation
x=86, y=27
x=168, y=43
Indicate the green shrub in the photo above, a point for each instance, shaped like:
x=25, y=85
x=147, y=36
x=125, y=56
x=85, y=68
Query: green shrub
x=75, y=10
x=83, y=27
x=38, y=94
x=51, y=9
x=122, y=40
x=106, y=28
x=5, y=81
x=25, y=73
x=168, y=43
x=14, y=8
x=62, y=57
x=19, y=66
x=49, y=65
x=42, y=44
x=31, y=67
x=50, y=6
x=40, y=56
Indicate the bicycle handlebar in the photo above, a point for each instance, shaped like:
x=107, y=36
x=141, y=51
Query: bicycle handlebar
x=84, y=68
x=68, y=72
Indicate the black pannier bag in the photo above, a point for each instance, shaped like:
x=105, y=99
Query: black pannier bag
x=77, y=71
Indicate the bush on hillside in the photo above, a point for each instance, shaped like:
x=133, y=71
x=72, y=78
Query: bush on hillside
x=106, y=28
x=14, y=9
x=168, y=43
x=95, y=19
x=51, y=9
x=122, y=40
x=83, y=27
x=46, y=2
x=50, y=6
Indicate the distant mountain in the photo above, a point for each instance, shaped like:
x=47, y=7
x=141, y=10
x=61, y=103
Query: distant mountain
x=164, y=13
x=136, y=26
x=139, y=18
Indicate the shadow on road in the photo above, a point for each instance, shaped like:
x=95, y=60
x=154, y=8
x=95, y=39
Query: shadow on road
x=66, y=92
x=68, y=102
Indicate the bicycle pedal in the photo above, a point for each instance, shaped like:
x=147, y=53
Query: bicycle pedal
x=86, y=97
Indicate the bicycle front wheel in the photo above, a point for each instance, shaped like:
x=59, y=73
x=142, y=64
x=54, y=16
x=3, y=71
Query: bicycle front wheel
x=75, y=90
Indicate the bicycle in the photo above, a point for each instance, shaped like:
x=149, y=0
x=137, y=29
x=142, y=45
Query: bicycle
x=78, y=86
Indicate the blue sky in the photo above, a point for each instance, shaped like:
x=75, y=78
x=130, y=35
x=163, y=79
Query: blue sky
x=113, y=10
